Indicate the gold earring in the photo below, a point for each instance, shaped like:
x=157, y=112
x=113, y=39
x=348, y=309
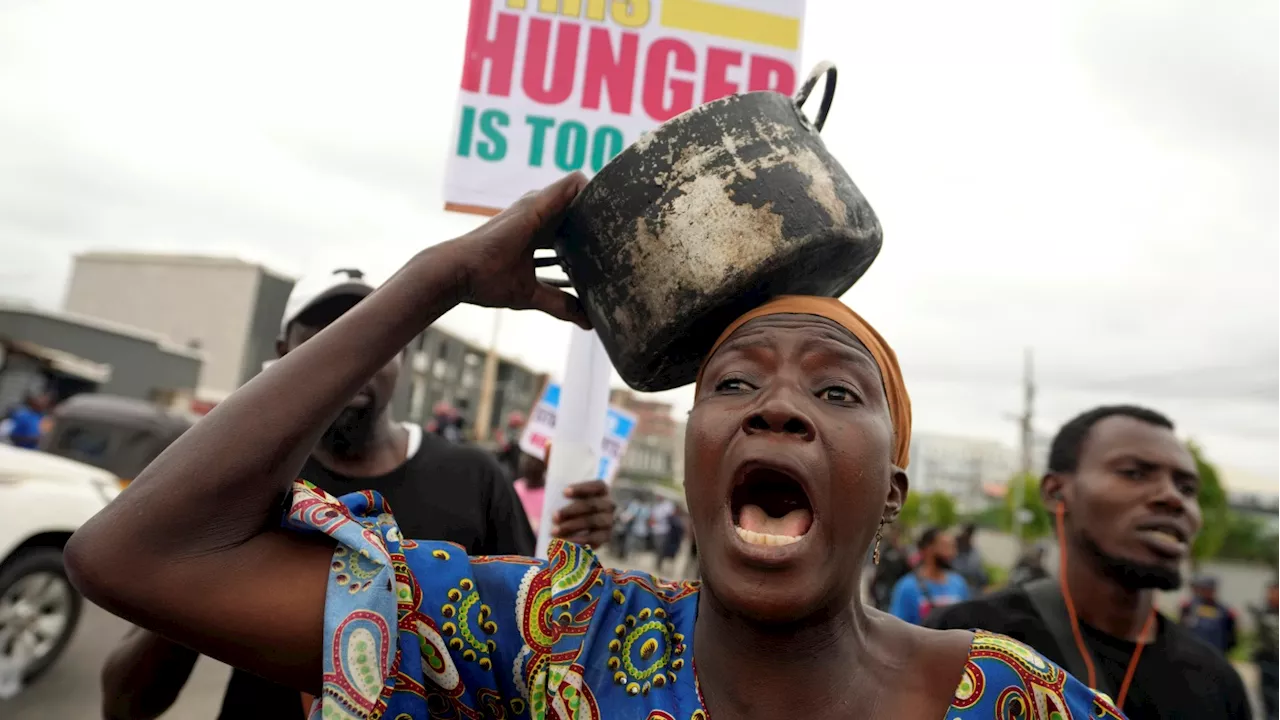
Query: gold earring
x=875, y=555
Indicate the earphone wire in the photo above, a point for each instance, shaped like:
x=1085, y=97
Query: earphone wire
x=1060, y=524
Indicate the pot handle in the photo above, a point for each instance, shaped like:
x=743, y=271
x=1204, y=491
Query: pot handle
x=551, y=261
x=828, y=93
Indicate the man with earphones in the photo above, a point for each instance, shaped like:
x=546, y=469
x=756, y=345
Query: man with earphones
x=1123, y=491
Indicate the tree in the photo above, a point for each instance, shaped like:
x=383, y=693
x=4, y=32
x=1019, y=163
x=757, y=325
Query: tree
x=1248, y=538
x=1036, y=520
x=909, y=515
x=1213, y=508
x=931, y=508
x=940, y=510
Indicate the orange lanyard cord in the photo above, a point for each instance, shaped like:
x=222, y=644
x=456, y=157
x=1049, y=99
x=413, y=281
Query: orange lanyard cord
x=1075, y=622
x=1133, y=661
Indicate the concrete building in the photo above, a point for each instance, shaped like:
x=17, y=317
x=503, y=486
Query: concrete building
x=442, y=367
x=69, y=353
x=228, y=309
x=964, y=468
x=651, y=455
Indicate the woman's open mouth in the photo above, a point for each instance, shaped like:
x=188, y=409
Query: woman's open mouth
x=770, y=507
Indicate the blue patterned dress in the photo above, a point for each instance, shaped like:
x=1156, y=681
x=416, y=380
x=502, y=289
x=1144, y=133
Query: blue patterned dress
x=417, y=630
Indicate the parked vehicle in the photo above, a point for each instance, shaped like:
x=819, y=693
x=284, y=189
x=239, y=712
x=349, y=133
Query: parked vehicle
x=118, y=434
x=43, y=499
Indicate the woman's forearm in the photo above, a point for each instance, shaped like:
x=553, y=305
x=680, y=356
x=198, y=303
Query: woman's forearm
x=218, y=484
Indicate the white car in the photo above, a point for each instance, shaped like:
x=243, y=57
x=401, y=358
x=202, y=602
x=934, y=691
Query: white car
x=43, y=499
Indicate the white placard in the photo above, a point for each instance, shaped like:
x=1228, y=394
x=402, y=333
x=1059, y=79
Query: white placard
x=552, y=86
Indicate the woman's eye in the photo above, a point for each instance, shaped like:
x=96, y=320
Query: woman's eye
x=733, y=385
x=837, y=394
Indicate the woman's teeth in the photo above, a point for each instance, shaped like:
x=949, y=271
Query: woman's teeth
x=757, y=527
x=756, y=538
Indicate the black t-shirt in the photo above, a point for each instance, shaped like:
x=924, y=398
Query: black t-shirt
x=1179, y=677
x=446, y=491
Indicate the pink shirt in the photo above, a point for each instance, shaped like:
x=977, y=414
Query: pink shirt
x=531, y=499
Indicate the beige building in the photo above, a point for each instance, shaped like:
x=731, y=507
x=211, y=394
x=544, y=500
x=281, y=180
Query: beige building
x=226, y=308
x=962, y=467
x=652, y=452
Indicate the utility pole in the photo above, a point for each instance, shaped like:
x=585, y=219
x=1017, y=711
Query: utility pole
x=488, y=380
x=1027, y=437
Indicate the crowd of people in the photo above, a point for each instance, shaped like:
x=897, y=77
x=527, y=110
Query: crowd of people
x=395, y=579
x=1119, y=482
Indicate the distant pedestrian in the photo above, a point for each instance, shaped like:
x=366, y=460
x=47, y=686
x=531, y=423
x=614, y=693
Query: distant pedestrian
x=24, y=425
x=969, y=561
x=637, y=533
x=933, y=584
x=1207, y=618
x=670, y=542
x=892, y=566
x=1029, y=568
x=1266, y=651
x=446, y=422
x=531, y=487
x=509, y=452
x=660, y=524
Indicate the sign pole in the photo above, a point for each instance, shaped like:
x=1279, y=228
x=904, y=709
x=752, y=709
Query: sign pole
x=580, y=425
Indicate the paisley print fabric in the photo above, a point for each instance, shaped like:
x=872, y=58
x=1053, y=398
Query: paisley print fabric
x=417, y=630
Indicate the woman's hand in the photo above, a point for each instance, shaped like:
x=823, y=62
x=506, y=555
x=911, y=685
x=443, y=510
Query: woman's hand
x=497, y=257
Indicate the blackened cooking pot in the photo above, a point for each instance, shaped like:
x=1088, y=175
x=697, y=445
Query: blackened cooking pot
x=713, y=213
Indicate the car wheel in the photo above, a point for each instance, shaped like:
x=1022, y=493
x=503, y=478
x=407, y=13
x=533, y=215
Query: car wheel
x=39, y=610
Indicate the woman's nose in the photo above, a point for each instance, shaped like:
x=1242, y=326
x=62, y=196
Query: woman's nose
x=779, y=416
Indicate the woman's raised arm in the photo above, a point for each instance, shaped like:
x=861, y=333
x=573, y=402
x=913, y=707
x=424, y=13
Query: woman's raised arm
x=189, y=549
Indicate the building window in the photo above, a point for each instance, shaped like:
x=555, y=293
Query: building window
x=417, y=400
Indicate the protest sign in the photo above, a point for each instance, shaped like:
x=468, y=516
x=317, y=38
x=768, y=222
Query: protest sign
x=553, y=86
x=539, y=431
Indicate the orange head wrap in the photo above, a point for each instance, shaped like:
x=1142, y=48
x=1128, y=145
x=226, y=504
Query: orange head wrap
x=895, y=391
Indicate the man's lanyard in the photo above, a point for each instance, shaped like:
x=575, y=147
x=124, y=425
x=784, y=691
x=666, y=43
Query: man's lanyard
x=1075, y=623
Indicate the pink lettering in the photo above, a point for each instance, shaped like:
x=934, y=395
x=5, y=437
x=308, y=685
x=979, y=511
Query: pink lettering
x=664, y=56
x=499, y=52
x=717, y=83
x=563, y=65
x=609, y=70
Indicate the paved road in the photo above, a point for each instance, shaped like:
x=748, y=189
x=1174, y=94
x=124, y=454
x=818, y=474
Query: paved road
x=71, y=689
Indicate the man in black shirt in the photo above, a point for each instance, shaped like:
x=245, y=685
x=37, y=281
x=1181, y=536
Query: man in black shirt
x=440, y=490
x=1124, y=491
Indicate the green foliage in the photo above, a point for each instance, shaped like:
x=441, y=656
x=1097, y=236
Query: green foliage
x=1213, y=507
x=932, y=508
x=909, y=516
x=997, y=574
x=1248, y=538
x=992, y=517
x=940, y=510
x=1039, y=523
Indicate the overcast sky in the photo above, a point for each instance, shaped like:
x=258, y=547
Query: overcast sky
x=1097, y=180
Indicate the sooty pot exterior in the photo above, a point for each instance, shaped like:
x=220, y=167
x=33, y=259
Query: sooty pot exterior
x=715, y=212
